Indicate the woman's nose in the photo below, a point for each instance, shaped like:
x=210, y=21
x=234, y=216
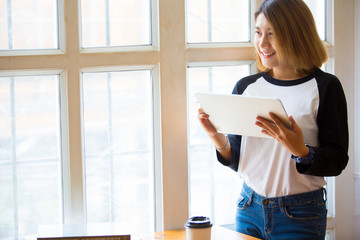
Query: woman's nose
x=264, y=41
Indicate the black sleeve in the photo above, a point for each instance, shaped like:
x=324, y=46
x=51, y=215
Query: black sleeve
x=235, y=142
x=331, y=156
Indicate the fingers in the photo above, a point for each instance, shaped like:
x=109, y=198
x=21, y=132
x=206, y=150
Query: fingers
x=268, y=127
x=291, y=138
x=202, y=114
x=206, y=123
x=273, y=127
x=277, y=121
x=294, y=125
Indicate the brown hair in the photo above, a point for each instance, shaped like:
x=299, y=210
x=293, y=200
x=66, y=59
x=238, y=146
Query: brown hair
x=297, y=40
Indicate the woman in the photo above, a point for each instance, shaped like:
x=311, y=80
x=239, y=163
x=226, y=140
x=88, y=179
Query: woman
x=283, y=195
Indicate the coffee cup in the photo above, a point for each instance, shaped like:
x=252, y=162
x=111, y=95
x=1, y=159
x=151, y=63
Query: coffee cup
x=198, y=228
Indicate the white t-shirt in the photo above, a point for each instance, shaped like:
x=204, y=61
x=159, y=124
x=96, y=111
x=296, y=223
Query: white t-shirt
x=318, y=105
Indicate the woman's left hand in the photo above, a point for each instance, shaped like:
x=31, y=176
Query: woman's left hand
x=292, y=139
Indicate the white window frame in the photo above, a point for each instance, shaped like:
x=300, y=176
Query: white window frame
x=169, y=56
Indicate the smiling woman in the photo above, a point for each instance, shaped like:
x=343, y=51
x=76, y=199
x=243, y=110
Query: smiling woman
x=284, y=198
x=290, y=32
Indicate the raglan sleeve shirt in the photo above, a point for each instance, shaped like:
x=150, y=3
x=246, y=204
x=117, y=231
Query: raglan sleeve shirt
x=331, y=156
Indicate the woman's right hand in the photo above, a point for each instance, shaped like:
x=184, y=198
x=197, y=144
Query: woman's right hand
x=205, y=122
x=220, y=141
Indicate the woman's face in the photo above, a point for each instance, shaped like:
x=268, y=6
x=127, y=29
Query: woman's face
x=265, y=42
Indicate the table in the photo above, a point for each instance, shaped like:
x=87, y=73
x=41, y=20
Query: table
x=106, y=231
x=217, y=233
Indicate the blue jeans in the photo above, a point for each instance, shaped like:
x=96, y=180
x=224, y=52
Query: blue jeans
x=300, y=216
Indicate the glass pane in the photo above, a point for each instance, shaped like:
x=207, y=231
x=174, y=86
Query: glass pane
x=28, y=24
x=119, y=162
x=218, y=21
x=318, y=10
x=30, y=164
x=213, y=187
x=115, y=23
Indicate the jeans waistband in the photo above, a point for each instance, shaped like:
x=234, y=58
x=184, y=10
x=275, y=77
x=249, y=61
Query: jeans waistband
x=316, y=195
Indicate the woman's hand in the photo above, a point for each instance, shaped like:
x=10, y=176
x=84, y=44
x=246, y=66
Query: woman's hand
x=220, y=141
x=292, y=139
x=205, y=122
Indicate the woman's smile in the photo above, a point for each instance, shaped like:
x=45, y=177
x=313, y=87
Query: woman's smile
x=267, y=54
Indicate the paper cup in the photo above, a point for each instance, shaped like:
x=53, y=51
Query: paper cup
x=198, y=228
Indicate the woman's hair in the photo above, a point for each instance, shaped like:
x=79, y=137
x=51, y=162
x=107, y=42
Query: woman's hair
x=297, y=41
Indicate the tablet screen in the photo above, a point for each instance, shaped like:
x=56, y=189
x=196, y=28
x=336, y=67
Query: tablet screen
x=236, y=114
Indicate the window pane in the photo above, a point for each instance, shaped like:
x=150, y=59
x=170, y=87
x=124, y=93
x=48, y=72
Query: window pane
x=28, y=24
x=218, y=21
x=213, y=187
x=119, y=162
x=318, y=10
x=30, y=165
x=115, y=23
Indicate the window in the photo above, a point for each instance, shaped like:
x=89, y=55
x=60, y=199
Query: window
x=208, y=179
x=318, y=9
x=119, y=158
x=37, y=20
x=30, y=163
x=218, y=21
x=97, y=110
x=74, y=147
x=105, y=22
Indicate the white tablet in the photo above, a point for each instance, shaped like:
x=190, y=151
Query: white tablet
x=236, y=114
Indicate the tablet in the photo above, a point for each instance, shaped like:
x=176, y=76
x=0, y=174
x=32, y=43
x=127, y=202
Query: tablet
x=236, y=114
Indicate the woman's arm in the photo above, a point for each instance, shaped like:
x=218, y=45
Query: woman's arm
x=331, y=156
x=220, y=141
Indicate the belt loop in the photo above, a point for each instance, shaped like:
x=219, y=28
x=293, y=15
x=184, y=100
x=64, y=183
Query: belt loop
x=281, y=205
x=251, y=196
x=324, y=194
x=249, y=192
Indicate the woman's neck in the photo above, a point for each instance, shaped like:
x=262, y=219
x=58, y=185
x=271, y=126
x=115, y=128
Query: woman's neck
x=285, y=74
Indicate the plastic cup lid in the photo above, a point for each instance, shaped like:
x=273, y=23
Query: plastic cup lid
x=198, y=222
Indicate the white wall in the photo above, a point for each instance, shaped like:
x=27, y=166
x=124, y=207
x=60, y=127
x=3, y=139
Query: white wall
x=357, y=115
x=345, y=203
